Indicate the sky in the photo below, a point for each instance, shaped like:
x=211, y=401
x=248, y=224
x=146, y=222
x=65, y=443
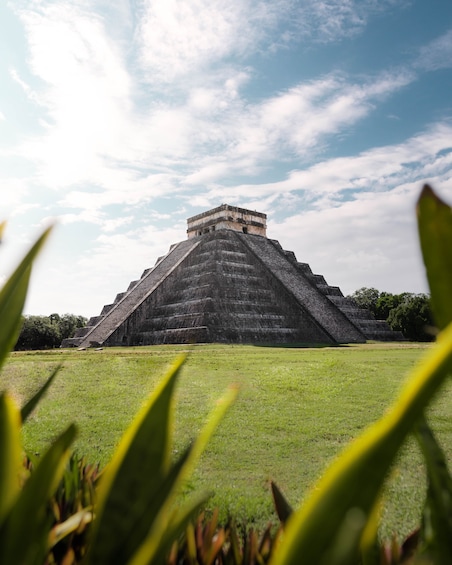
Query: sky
x=119, y=120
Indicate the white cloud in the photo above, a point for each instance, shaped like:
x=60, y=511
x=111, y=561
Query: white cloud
x=419, y=159
x=329, y=20
x=108, y=143
x=182, y=37
x=102, y=131
x=85, y=92
x=29, y=92
x=326, y=21
x=23, y=209
x=179, y=38
x=294, y=123
x=94, y=279
x=107, y=225
x=437, y=54
x=14, y=193
x=125, y=188
x=369, y=241
x=172, y=34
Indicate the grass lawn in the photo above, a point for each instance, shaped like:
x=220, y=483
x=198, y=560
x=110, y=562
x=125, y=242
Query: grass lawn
x=298, y=407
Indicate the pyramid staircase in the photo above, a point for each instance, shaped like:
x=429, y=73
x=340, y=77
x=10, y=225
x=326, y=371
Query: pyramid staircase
x=362, y=318
x=99, y=328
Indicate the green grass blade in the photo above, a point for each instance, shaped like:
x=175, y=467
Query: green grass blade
x=152, y=546
x=370, y=548
x=25, y=530
x=329, y=526
x=437, y=522
x=282, y=506
x=148, y=509
x=10, y=454
x=12, y=299
x=156, y=546
x=28, y=408
x=137, y=471
x=435, y=233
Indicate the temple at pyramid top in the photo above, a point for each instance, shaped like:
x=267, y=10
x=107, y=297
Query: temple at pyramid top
x=230, y=218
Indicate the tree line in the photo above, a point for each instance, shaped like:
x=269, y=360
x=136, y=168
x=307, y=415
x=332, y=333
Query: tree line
x=408, y=313
x=47, y=332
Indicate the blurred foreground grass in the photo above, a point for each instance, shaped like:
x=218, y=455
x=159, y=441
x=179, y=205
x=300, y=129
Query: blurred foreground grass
x=297, y=408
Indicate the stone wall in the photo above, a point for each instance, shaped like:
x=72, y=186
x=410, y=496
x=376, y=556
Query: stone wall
x=227, y=217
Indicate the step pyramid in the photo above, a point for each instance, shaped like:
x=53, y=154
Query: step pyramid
x=229, y=283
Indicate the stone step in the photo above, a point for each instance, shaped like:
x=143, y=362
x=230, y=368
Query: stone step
x=240, y=320
x=200, y=334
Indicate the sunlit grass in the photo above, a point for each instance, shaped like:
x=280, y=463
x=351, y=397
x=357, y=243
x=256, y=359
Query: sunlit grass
x=297, y=408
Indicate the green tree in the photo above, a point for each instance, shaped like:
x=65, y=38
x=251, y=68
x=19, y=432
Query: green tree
x=366, y=298
x=406, y=312
x=46, y=332
x=38, y=332
x=385, y=303
x=413, y=317
x=68, y=324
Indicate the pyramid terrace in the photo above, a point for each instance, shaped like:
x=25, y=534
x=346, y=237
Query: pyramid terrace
x=227, y=282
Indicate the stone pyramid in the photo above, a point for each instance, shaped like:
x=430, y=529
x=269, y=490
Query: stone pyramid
x=229, y=283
